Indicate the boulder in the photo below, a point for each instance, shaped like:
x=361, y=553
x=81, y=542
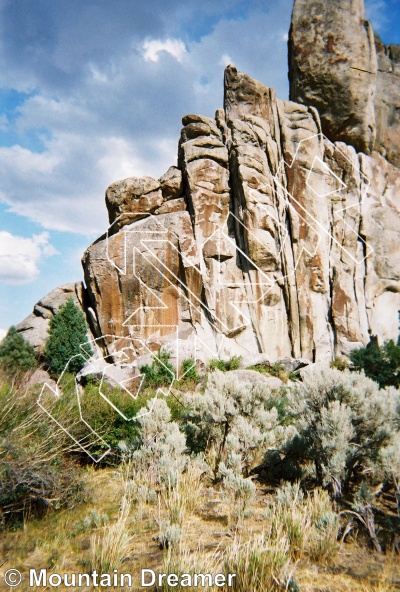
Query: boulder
x=171, y=184
x=133, y=197
x=35, y=327
x=115, y=375
x=293, y=364
x=41, y=377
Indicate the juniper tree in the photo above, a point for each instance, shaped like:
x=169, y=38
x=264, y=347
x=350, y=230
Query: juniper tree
x=67, y=340
x=379, y=362
x=16, y=353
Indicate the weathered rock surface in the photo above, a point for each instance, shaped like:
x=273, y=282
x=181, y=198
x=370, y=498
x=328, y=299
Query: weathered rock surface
x=34, y=327
x=41, y=377
x=338, y=66
x=115, y=375
x=254, y=378
x=277, y=250
x=134, y=198
x=269, y=240
x=387, y=101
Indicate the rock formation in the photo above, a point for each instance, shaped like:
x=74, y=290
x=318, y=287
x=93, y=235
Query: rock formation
x=338, y=66
x=35, y=327
x=277, y=233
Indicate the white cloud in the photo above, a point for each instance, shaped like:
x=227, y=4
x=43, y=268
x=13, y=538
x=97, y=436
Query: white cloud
x=3, y=333
x=96, y=111
x=97, y=75
x=175, y=47
x=20, y=257
x=225, y=60
x=63, y=187
x=123, y=119
x=20, y=158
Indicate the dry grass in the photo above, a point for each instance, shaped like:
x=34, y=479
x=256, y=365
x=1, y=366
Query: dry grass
x=355, y=570
x=387, y=581
x=288, y=537
x=114, y=545
x=310, y=523
x=190, y=562
x=58, y=544
x=35, y=473
x=262, y=563
x=185, y=496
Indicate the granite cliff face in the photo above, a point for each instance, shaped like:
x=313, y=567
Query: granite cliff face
x=277, y=234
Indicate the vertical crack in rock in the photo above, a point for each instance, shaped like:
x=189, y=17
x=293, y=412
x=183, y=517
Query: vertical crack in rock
x=268, y=237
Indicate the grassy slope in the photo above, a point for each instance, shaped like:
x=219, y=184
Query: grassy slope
x=62, y=543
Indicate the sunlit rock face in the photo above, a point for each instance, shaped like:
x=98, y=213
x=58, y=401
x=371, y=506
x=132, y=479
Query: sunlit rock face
x=338, y=65
x=277, y=232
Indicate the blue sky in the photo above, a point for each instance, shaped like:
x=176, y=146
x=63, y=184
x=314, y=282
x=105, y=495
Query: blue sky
x=92, y=91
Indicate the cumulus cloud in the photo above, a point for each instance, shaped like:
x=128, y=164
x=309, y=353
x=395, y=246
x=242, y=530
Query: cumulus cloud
x=3, y=333
x=152, y=49
x=99, y=112
x=20, y=257
x=63, y=187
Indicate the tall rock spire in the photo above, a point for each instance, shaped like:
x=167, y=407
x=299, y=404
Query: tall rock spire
x=338, y=65
x=333, y=67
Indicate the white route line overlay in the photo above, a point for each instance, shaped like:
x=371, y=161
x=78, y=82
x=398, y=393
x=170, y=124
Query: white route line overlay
x=287, y=198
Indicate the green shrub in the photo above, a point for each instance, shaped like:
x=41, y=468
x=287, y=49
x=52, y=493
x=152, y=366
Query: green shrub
x=16, y=353
x=381, y=363
x=160, y=372
x=67, y=341
x=189, y=370
x=261, y=368
x=278, y=370
x=225, y=365
x=98, y=413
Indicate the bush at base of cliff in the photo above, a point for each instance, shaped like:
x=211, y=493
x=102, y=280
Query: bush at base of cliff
x=379, y=362
x=229, y=416
x=67, y=340
x=225, y=365
x=16, y=354
x=160, y=372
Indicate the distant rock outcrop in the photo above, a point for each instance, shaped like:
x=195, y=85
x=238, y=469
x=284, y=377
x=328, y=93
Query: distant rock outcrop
x=34, y=328
x=268, y=237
